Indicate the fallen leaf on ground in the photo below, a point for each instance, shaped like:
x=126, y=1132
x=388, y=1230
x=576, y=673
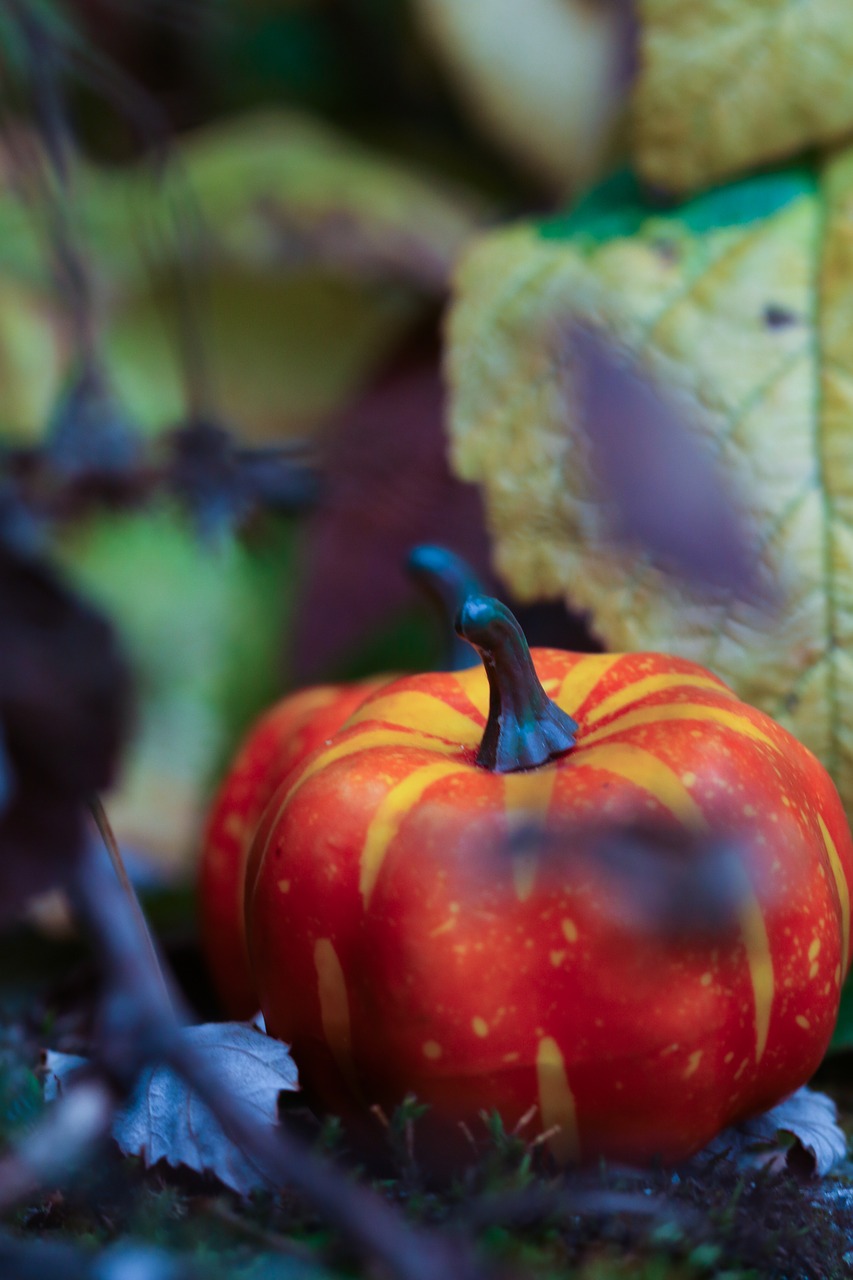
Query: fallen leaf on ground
x=164, y=1120
x=737, y=305
x=725, y=86
x=802, y=1134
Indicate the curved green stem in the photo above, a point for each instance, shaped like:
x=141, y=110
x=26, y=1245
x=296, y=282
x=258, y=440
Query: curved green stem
x=525, y=728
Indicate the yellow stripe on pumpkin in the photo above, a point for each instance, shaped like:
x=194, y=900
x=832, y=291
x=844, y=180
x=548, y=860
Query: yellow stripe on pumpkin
x=389, y=815
x=648, y=685
x=367, y=740
x=528, y=796
x=583, y=678
x=475, y=687
x=645, y=770
x=683, y=711
x=334, y=1008
x=556, y=1101
x=843, y=891
x=760, y=962
x=424, y=712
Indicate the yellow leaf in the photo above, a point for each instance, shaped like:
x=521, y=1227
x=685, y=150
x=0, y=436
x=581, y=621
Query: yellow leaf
x=729, y=84
x=284, y=351
x=540, y=78
x=741, y=304
x=307, y=257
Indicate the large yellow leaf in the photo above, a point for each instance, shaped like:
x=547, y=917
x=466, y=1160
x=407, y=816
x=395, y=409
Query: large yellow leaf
x=740, y=303
x=729, y=84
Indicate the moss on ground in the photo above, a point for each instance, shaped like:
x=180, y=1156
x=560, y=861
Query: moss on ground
x=606, y=1224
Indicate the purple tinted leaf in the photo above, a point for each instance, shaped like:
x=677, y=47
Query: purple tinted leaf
x=64, y=684
x=387, y=488
x=164, y=1119
x=662, y=485
x=64, y=695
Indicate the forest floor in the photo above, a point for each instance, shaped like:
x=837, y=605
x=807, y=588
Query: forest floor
x=713, y=1220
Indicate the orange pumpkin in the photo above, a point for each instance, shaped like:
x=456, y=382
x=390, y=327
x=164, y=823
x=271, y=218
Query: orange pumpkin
x=276, y=744
x=400, y=946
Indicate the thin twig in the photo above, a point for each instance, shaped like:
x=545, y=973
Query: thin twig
x=71, y=267
x=141, y=1026
x=107, y=834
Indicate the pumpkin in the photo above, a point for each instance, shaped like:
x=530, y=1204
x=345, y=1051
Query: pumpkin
x=400, y=947
x=274, y=746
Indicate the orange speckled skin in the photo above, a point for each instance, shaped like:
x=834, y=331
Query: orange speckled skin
x=399, y=947
x=276, y=744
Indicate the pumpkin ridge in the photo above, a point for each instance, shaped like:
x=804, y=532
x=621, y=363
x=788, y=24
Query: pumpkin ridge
x=388, y=818
x=701, y=712
x=582, y=681
x=842, y=889
x=645, y=770
x=647, y=686
x=423, y=712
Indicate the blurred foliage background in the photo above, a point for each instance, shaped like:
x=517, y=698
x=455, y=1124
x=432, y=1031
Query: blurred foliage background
x=248, y=214
x=266, y=200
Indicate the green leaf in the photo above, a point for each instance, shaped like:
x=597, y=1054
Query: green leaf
x=202, y=630
x=32, y=356
x=725, y=86
x=741, y=305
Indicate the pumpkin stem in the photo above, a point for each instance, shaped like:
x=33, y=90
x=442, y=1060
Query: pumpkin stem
x=525, y=728
x=448, y=581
